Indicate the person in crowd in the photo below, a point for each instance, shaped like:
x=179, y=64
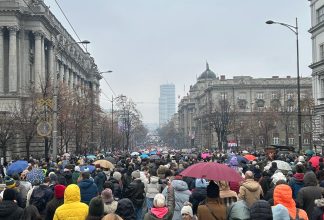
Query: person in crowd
x=116, y=185
x=11, y=184
x=250, y=190
x=265, y=182
x=187, y=213
x=297, y=181
x=68, y=176
x=282, y=194
x=72, y=208
x=238, y=210
x=110, y=205
x=100, y=178
x=135, y=192
x=76, y=174
x=22, y=187
x=228, y=196
x=277, y=178
x=31, y=213
x=9, y=209
x=212, y=207
x=280, y=212
x=152, y=188
x=88, y=188
x=273, y=168
x=318, y=212
x=112, y=216
x=161, y=209
x=41, y=195
x=307, y=195
x=261, y=210
x=96, y=209
x=198, y=194
x=125, y=209
x=58, y=200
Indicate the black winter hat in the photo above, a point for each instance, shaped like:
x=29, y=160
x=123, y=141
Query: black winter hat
x=261, y=210
x=96, y=207
x=212, y=190
x=9, y=194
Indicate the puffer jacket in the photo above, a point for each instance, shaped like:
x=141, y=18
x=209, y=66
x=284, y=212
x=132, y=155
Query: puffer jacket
x=181, y=195
x=72, y=207
x=250, y=191
x=307, y=195
x=261, y=210
x=88, y=190
x=153, y=187
x=282, y=194
x=9, y=210
x=116, y=188
x=296, y=183
x=239, y=210
x=198, y=195
x=125, y=209
x=99, y=180
x=135, y=192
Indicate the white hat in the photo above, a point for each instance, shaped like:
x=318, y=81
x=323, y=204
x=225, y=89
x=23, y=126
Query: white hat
x=77, y=169
x=301, y=159
x=187, y=210
x=117, y=176
x=159, y=200
x=278, y=176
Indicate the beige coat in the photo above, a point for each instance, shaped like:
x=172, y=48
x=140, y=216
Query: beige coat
x=250, y=191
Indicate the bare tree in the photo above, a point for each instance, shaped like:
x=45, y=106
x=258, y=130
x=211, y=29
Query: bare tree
x=7, y=131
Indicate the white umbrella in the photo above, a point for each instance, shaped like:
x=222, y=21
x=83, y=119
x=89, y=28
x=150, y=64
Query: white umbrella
x=67, y=155
x=282, y=165
x=245, y=152
x=134, y=154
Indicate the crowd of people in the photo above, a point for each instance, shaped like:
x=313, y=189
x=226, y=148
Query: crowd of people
x=138, y=188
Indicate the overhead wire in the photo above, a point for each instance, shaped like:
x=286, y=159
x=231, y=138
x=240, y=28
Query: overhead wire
x=109, y=86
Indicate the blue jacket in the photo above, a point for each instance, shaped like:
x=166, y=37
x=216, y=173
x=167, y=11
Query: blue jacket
x=88, y=190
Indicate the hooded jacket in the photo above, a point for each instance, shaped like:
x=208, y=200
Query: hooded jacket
x=99, y=180
x=296, y=183
x=72, y=207
x=250, y=191
x=181, y=195
x=125, y=209
x=318, y=211
x=307, y=195
x=153, y=187
x=88, y=190
x=10, y=210
x=116, y=188
x=282, y=194
x=135, y=192
x=238, y=210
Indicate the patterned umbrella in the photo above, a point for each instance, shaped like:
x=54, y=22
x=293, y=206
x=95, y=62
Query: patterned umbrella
x=90, y=168
x=35, y=176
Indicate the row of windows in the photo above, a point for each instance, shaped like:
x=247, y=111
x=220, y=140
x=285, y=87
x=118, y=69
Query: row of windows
x=291, y=141
x=259, y=95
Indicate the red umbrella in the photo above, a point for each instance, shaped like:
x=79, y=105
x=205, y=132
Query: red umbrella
x=315, y=161
x=212, y=171
x=250, y=157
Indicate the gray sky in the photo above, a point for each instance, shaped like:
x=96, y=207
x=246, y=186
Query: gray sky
x=150, y=42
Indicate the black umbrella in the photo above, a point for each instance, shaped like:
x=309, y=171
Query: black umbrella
x=111, y=160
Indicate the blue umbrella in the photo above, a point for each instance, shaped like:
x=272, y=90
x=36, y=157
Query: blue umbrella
x=239, y=159
x=17, y=167
x=90, y=167
x=91, y=156
x=35, y=176
x=153, y=152
x=143, y=156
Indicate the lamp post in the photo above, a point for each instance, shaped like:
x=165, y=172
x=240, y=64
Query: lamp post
x=295, y=30
x=55, y=94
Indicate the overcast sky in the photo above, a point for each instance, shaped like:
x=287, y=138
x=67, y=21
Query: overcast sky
x=150, y=42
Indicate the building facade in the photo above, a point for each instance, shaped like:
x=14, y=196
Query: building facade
x=167, y=104
x=34, y=49
x=244, y=111
x=317, y=66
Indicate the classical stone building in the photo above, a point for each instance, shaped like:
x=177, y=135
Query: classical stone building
x=34, y=48
x=317, y=66
x=246, y=111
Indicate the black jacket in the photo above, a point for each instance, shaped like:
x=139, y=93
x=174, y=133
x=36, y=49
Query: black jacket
x=261, y=210
x=135, y=192
x=116, y=188
x=197, y=196
x=99, y=180
x=9, y=210
x=52, y=206
x=125, y=209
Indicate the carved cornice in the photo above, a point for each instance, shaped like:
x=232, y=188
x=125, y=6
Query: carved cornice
x=13, y=29
x=38, y=34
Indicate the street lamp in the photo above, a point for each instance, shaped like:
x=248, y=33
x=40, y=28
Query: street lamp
x=55, y=94
x=295, y=30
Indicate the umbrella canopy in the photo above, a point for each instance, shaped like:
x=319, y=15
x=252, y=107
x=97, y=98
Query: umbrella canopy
x=104, y=164
x=153, y=152
x=250, y=157
x=35, y=176
x=135, y=154
x=315, y=161
x=90, y=167
x=91, y=156
x=67, y=155
x=212, y=171
x=282, y=165
x=310, y=152
x=245, y=152
x=111, y=160
x=165, y=152
x=239, y=159
x=154, y=157
x=17, y=167
x=205, y=155
x=143, y=156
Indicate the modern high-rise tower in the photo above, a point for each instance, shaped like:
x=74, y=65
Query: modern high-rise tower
x=167, y=104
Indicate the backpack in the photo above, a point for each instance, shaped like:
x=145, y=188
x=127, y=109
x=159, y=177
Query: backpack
x=38, y=199
x=297, y=215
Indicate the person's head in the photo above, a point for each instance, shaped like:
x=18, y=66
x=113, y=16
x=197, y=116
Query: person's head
x=223, y=185
x=85, y=175
x=136, y=174
x=212, y=190
x=96, y=207
x=249, y=175
x=47, y=180
x=59, y=191
x=282, y=194
x=159, y=201
x=299, y=168
x=201, y=183
x=186, y=211
x=10, y=182
x=112, y=216
x=107, y=196
x=9, y=195
x=261, y=208
x=117, y=176
x=72, y=194
x=31, y=213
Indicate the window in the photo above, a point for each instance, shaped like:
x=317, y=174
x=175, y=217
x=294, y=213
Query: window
x=260, y=95
x=320, y=14
x=290, y=108
x=290, y=95
x=275, y=140
x=291, y=141
x=306, y=141
x=274, y=95
x=223, y=95
x=321, y=55
x=242, y=96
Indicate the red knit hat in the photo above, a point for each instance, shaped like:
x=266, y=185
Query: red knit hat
x=59, y=191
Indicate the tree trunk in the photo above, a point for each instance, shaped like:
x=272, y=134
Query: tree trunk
x=27, y=146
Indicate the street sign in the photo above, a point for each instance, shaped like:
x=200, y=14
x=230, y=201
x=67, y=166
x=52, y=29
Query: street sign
x=44, y=129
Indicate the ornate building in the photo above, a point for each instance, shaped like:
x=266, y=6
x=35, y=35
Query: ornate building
x=244, y=112
x=35, y=48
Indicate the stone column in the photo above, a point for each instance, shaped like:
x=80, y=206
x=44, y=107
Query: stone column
x=13, y=59
x=51, y=70
x=61, y=73
x=75, y=82
x=1, y=62
x=66, y=76
x=71, y=80
x=38, y=61
x=43, y=72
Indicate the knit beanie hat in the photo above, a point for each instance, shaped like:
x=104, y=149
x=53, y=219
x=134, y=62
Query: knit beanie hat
x=261, y=210
x=96, y=207
x=59, y=191
x=187, y=209
x=159, y=200
x=117, y=176
x=10, y=182
x=107, y=196
x=136, y=174
x=9, y=194
x=212, y=190
x=278, y=176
